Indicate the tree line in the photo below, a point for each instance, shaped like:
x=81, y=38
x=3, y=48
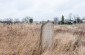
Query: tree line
x=70, y=20
x=15, y=21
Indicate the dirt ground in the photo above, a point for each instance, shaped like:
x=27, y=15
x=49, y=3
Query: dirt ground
x=23, y=39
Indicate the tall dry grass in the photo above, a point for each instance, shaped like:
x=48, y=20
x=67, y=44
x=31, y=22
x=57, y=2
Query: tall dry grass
x=23, y=39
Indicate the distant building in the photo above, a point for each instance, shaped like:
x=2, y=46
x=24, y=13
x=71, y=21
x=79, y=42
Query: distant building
x=83, y=20
x=68, y=21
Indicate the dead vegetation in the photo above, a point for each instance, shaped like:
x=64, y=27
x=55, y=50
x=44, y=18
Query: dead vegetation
x=24, y=40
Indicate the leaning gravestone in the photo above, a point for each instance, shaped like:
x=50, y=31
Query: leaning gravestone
x=46, y=37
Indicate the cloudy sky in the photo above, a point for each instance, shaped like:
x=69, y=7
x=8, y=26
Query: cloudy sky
x=41, y=9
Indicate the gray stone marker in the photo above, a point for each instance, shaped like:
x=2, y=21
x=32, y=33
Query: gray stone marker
x=46, y=38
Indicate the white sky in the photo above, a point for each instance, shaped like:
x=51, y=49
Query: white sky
x=41, y=9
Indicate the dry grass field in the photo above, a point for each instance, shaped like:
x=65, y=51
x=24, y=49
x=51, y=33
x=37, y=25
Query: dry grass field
x=23, y=39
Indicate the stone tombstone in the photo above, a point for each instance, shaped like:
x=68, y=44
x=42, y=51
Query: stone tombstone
x=47, y=32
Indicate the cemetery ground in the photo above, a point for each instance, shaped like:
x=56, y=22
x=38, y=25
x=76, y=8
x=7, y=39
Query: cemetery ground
x=23, y=39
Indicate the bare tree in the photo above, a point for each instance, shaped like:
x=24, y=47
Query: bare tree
x=56, y=20
x=16, y=20
x=8, y=21
x=26, y=19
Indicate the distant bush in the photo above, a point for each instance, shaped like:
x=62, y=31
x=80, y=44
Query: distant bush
x=31, y=20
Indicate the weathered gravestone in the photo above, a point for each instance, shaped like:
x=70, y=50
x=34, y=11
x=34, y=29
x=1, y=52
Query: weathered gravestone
x=46, y=38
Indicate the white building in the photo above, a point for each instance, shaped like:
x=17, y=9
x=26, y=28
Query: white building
x=83, y=20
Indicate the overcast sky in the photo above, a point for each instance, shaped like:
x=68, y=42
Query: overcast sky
x=41, y=9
